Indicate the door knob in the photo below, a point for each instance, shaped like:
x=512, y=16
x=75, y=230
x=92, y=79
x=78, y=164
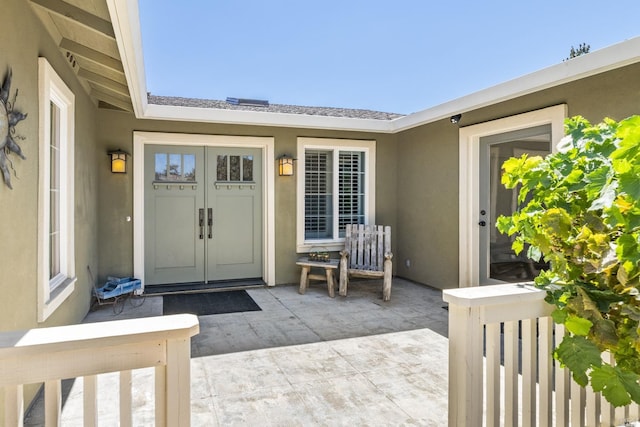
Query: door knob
x=482, y=223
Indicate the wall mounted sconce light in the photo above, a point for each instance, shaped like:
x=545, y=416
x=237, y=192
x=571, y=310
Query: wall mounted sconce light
x=455, y=119
x=118, y=161
x=285, y=165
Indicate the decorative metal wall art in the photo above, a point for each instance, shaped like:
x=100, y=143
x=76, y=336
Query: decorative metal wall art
x=9, y=118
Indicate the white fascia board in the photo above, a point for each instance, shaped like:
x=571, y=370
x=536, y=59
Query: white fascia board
x=616, y=56
x=258, y=118
x=125, y=18
x=126, y=22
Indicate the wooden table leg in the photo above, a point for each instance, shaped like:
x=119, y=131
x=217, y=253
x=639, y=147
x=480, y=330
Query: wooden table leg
x=304, y=279
x=330, y=282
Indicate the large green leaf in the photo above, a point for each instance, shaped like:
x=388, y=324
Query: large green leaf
x=617, y=386
x=630, y=184
x=578, y=325
x=579, y=355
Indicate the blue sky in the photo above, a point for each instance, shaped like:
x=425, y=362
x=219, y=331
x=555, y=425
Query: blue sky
x=402, y=56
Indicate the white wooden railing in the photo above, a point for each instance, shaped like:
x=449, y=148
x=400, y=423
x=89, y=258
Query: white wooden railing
x=527, y=388
x=48, y=355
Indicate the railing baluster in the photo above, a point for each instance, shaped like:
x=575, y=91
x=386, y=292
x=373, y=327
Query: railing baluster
x=161, y=396
x=126, y=408
x=492, y=397
x=592, y=416
x=90, y=400
x=511, y=373
x=545, y=371
x=529, y=380
x=52, y=402
x=578, y=403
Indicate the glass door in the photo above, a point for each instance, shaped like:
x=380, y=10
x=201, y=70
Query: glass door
x=498, y=263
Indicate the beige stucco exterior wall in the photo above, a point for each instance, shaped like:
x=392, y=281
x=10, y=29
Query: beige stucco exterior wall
x=427, y=193
x=116, y=129
x=22, y=42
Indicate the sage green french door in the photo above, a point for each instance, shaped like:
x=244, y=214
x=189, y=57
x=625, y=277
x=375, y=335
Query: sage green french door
x=498, y=263
x=203, y=214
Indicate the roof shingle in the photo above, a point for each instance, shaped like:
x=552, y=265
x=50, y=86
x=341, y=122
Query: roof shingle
x=273, y=108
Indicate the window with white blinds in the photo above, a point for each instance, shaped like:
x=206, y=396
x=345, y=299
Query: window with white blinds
x=335, y=185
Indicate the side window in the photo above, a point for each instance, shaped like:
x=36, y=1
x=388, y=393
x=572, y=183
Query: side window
x=56, y=252
x=336, y=187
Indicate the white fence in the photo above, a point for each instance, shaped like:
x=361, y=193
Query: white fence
x=48, y=355
x=501, y=372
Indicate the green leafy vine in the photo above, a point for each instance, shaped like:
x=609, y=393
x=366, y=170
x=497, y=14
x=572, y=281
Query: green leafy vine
x=580, y=212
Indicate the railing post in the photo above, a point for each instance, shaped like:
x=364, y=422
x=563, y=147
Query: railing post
x=13, y=406
x=178, y=382
x=465, y=366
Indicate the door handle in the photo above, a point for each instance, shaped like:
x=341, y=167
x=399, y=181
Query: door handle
x=210, y=221
x=201, y=223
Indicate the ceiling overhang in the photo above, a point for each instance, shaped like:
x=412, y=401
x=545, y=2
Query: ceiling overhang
x=83, y=31
x=103, y=43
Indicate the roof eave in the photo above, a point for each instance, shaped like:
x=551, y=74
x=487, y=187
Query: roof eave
x=260, y=118
x=126, y=23
x=615, y=56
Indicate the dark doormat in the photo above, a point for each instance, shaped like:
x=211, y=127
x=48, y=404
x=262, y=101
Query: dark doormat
x=206, y=303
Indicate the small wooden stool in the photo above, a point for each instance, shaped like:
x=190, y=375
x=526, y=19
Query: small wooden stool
x=306, y=275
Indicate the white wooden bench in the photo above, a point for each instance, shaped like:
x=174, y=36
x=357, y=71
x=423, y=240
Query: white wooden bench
x=367, y=253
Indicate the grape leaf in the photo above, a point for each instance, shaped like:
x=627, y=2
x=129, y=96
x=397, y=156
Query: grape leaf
x=579, y=355
x=578, y=325
x=617, y=386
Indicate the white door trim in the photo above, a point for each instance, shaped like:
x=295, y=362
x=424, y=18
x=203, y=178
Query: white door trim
x=469, y=179
x=267, y=144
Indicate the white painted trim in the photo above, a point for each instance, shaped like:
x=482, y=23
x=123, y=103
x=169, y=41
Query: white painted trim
x=369, y=149
x=260, y=118
x=125, y=17
x=599, y=61
x=469, y=178
x=52, y=89
x=267, y=144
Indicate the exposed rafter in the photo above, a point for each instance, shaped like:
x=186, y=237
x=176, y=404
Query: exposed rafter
x=110, y=99
x=86, y=38
x=105, y=82
x=77, y=15
x=91, y=54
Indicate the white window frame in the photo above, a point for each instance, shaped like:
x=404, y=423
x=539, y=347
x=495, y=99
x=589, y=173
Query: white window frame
x=52, y=292
x=368, y=147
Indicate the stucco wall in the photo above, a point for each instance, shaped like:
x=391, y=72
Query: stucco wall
x=22, y=42
x=428, y=168
x=116, y=191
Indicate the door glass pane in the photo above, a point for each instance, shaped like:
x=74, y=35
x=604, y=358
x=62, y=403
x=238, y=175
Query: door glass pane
x=175, y=167
x=221, y=172
x=247, y=168
x=504, y=264
x=161, y=167
x=234, y=168
x=189, y=167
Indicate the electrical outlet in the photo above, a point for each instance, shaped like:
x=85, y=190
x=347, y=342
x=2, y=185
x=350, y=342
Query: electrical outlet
x=407, y=262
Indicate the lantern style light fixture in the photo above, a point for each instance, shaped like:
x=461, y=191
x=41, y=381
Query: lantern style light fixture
x=285, y=165
x=118, y=161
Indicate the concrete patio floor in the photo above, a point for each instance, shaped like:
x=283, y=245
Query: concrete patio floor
x=303, y=360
